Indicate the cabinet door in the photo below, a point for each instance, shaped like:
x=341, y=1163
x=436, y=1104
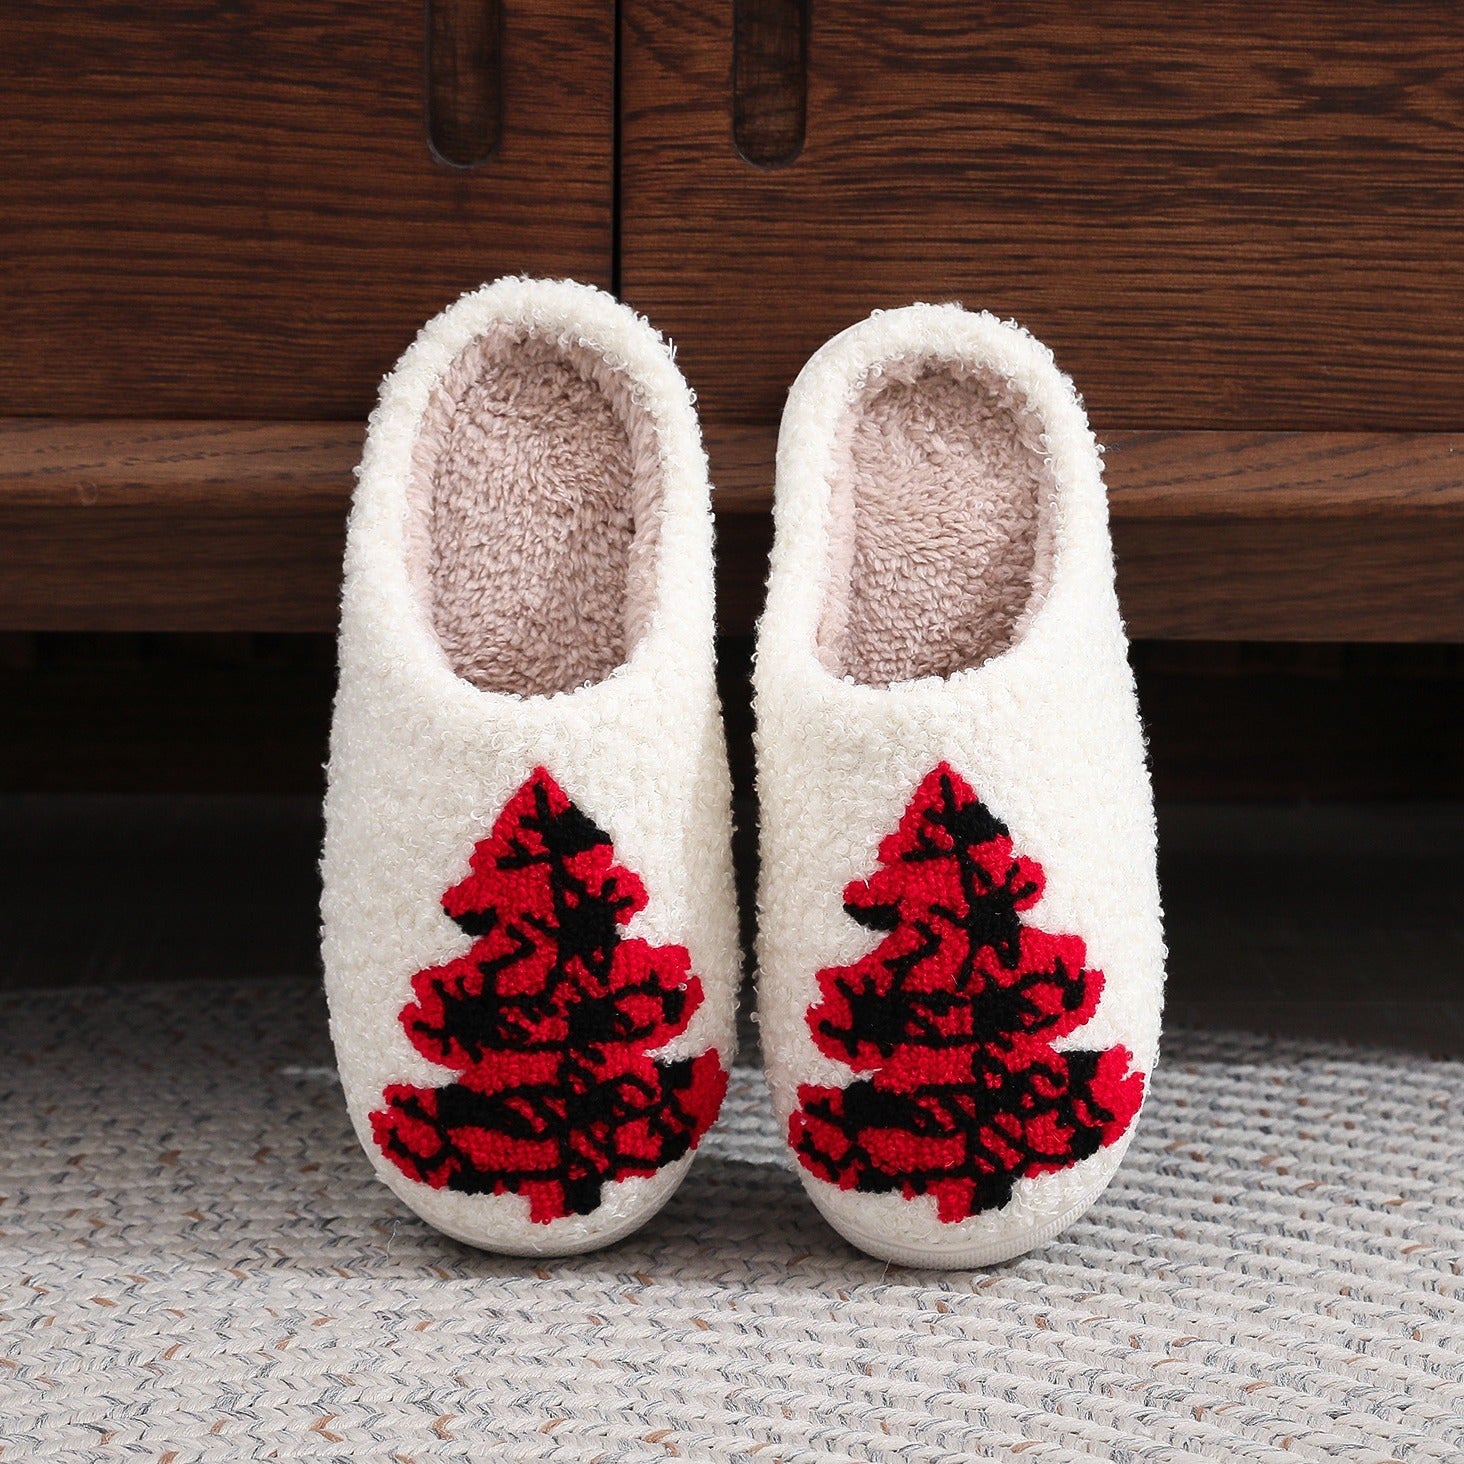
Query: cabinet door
x=1233, y=223
x=220, y=224
x=242, y=210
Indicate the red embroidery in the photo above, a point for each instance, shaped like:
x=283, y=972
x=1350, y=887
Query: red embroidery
x=953, y=1016
x=549, y=1020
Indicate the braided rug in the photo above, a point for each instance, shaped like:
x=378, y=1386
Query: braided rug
x=195, y=1264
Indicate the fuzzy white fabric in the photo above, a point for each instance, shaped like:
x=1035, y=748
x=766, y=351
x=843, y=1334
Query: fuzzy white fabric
x=1046, y=731
x=423, y=761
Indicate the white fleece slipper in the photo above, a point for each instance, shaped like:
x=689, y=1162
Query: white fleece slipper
x=961, y=960
x=530, y=934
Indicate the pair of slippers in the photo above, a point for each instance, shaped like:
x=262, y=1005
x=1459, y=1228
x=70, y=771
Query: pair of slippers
x=530, y=929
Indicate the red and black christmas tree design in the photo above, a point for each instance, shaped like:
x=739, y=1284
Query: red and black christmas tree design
x=952, y=1020
x=549, y=1021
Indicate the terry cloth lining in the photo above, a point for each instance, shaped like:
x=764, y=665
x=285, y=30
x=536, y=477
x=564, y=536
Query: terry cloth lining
x=535, y=505
x=940, y=538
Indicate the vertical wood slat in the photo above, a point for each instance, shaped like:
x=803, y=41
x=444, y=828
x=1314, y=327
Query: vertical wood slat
x=769, y=79
x=464, y=79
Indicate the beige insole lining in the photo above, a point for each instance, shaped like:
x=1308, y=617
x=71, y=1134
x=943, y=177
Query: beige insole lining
x=940, y=544
x=534, y=511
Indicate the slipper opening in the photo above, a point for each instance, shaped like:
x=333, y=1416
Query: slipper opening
x=941, y=522
x=534, y=507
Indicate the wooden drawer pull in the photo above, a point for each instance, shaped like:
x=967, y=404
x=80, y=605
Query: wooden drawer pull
x=464, y=79
x=769, y=79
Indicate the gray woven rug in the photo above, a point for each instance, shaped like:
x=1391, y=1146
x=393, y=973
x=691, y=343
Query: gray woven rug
x=196, y=1265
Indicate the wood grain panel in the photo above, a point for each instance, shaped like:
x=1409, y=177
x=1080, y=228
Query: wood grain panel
x=176, y=526
x=1191, y=474
x=1292, y=579
x=1290, y=536
x=232, y=209
x=238, y=526
x=1219, y=216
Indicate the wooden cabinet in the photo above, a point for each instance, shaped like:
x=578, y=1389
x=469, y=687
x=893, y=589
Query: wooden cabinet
x=1241, y=229
x=231, y=210
x=222, y=222
x=1218, y=216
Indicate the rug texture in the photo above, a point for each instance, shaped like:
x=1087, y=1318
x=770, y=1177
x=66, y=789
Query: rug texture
x=197, y=1264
